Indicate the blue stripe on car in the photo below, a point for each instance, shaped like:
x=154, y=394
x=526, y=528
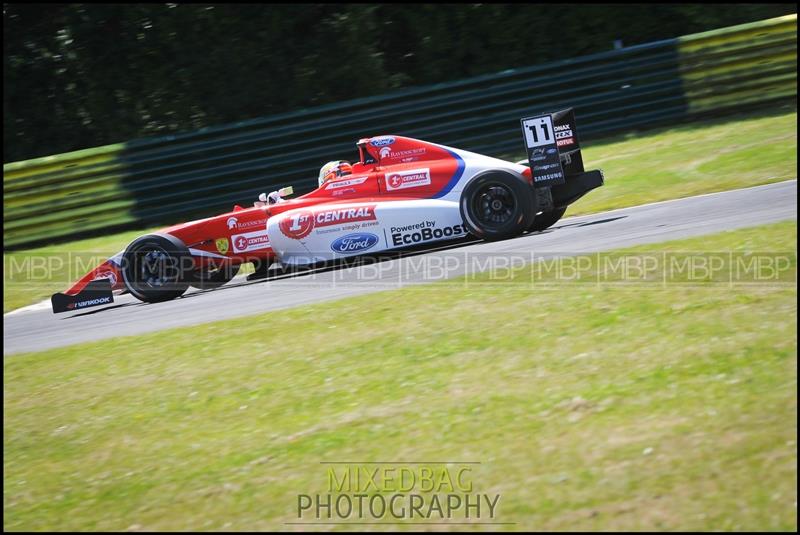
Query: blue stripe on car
x=456, y=177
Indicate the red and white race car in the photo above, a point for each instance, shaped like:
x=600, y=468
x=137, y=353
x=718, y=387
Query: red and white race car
x=402, y=192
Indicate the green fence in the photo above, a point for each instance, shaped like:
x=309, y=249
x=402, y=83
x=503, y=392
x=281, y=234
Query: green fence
x=173, y=178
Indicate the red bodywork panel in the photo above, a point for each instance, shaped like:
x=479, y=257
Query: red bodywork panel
x=386, y=172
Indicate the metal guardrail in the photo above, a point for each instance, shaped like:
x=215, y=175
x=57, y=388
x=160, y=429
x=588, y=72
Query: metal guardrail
x=172, y=178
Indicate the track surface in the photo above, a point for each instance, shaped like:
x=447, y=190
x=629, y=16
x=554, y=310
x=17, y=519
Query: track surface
x=35, y=330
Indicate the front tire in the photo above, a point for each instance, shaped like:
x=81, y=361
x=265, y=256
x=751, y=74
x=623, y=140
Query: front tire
x=155, y=267
x=497, y=205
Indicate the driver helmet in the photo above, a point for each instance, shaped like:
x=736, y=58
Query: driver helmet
x=334, y=169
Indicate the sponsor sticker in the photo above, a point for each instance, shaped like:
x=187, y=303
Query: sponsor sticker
x=300, y=224
x=407, y=179
x=354, y=243
x=563, y=131
x=89, y=303
x=537, y=155
x=344, y=183
x=381, y=141
x=222, y=245
x=424, y=231
x=549, y=176
x=250, y=241
x=546, y=167
x=336, y=216
x=233, y=223
x=564, y=135
x=403, y=155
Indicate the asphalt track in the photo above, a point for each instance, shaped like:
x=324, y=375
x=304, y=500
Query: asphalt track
x=37, y=328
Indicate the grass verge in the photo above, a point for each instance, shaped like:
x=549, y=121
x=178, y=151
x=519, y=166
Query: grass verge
x=692, y=159
x=589, y=406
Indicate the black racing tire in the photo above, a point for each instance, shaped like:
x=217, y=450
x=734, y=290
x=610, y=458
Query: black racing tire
x=497, y=205
x=205, y=279
x=155, y=267
x=547, y=219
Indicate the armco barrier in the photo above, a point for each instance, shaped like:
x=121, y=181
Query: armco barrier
x=195, y=174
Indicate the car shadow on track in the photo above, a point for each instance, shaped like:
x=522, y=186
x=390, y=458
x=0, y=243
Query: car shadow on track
x=104, y=309
x=343, y=263
x=590, y=223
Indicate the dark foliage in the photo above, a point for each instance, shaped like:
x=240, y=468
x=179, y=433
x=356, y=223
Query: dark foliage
x=82, y=75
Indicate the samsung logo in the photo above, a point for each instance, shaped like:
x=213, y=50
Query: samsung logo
x=382, y=141
x=354, y=243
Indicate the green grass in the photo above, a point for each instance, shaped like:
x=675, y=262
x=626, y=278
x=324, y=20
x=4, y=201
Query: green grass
x=690, y=160
x=668, y=164
x=615, y=406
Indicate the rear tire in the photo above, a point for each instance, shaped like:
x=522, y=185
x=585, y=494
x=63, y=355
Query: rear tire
x=155, y=267
x=497, y=205
x=547, y=219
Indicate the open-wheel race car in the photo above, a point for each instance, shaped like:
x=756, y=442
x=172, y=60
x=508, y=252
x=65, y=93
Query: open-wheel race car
x=401, y=192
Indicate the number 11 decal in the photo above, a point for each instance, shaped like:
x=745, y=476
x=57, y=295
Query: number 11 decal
x=538, y=131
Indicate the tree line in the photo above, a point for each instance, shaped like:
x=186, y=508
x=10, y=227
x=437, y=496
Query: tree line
x=83, y=75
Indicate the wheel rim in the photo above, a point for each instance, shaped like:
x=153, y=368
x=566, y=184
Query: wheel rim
x=494, y=205
x=155, y=268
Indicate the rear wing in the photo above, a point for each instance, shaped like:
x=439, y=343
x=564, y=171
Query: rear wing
x=553, y=147
x=554, y=154
x=569, y=147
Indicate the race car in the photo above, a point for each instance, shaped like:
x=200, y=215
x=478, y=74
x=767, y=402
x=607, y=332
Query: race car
x=401, y=192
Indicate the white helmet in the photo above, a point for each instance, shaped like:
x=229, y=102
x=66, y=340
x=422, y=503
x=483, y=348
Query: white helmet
x=334, y=169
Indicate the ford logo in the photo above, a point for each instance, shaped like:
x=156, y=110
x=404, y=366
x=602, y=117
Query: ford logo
x=552, y=151
x=382, y=141
x=354, y=243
